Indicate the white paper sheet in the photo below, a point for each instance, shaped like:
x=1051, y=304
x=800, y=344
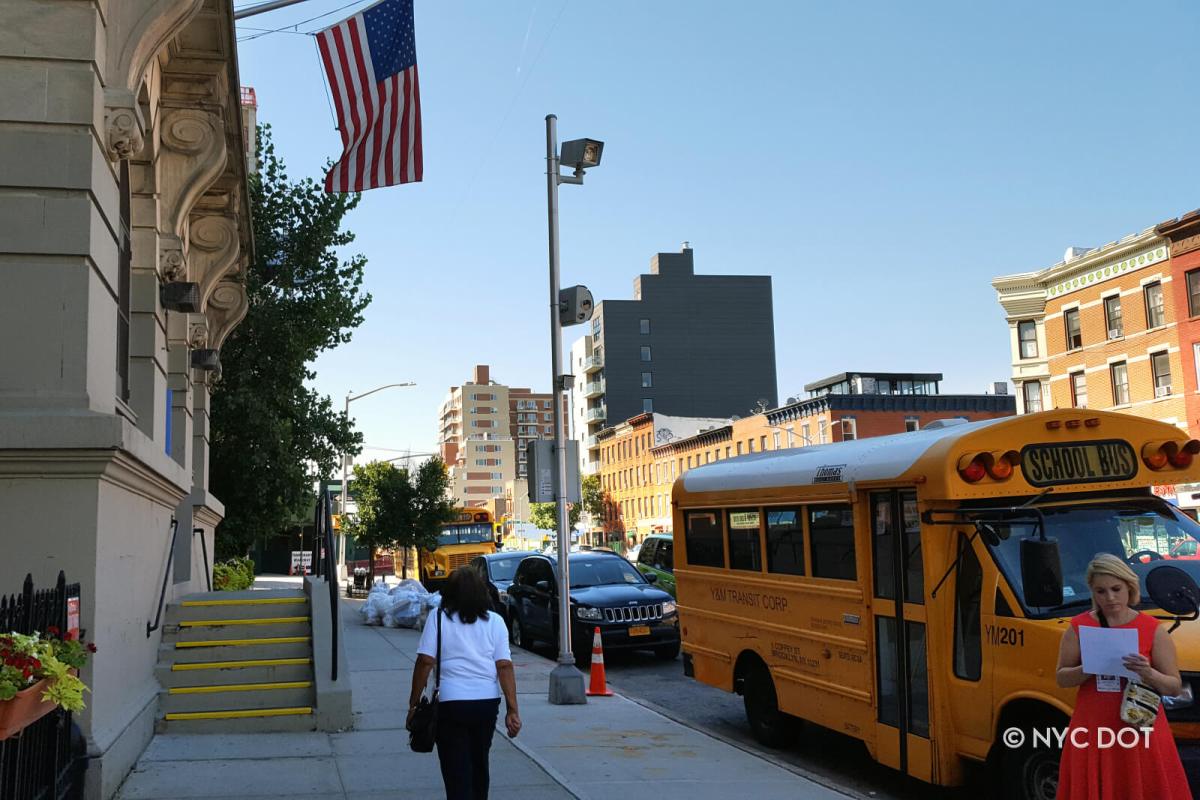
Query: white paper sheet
x=1103, y=649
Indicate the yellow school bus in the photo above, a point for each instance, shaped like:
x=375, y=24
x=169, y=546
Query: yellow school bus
x=470, y=534
x=902, y=589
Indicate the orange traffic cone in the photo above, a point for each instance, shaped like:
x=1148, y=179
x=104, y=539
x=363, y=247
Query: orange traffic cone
x=599, y=685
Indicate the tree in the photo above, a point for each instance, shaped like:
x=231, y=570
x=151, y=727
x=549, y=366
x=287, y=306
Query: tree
x=431, y=508
x=271, y=434
x=384, y=499
x=545, y=515
x=593, y=497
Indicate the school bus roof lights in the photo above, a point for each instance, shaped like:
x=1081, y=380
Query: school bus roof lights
x=997, y=465
x=1157, y=455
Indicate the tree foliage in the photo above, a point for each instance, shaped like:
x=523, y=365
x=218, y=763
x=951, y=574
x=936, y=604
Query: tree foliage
x=545, y=515
x=271, y=434
x=593, y=498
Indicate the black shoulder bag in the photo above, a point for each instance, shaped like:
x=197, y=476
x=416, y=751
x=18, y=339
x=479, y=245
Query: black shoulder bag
x=422, y=732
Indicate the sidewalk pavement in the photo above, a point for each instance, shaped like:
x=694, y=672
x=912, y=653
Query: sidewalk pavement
x=610, y=748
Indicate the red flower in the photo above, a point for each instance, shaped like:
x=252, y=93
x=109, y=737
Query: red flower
x=70, y=637
x=53, y=630
x=91, y=647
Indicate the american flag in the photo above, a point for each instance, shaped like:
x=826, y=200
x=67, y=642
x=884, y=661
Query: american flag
x=371, y=61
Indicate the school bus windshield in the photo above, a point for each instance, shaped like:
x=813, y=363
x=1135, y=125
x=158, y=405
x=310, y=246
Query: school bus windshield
x=465, y=534
x=1145, y=533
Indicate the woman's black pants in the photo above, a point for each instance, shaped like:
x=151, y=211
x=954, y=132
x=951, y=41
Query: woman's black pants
x=464, y=737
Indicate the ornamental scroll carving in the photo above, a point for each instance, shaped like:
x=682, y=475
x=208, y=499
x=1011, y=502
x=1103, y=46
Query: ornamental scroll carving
x=135, y=31
x=214, y=252
x=192, y=158
x=226, y=308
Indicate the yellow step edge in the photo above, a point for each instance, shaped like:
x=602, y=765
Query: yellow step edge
x=250, y=712
x=204, y=623
x=256, y=662
x=240, y=687
x=268, y=601
x=243, y=642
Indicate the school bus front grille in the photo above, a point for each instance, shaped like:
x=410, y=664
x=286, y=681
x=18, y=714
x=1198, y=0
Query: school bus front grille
x=456, y=560
x=634, y=613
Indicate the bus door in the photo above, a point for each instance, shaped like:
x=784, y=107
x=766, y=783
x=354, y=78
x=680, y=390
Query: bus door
x=901, y=669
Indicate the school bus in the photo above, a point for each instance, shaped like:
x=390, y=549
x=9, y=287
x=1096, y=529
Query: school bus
x=470, y=534
x=902, y=589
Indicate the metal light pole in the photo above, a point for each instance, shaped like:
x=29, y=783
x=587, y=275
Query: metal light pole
x=344, y=494
x=566, y=682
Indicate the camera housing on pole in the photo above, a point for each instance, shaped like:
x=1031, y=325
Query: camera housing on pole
x=575, y=305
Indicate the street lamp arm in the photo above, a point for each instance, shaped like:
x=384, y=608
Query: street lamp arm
x=351, y=398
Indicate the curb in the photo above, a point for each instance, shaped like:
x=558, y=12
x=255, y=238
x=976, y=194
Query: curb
x=532, y=755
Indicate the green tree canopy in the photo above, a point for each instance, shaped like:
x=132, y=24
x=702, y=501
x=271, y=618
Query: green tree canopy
x=593, y=498
x=384, y=498
x=545, y=515
x=271, y=434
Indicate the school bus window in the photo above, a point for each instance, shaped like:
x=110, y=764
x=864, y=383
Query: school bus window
x=831, y=533
x=886, y=669
x=745, y=549
x=968, y=642
x=703, y=539
x=918, y=672
x=883, y=544
x=785, y=541
x=914, y=564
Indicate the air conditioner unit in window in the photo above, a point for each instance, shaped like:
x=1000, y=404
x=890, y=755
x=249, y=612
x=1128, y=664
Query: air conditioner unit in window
x=1114, y=333
x=1162, y=391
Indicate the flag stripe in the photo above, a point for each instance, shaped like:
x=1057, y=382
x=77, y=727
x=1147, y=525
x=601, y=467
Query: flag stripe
x=415, y=157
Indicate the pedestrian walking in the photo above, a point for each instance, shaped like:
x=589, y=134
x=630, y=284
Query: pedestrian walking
x=1099, y=760
x=476, y=668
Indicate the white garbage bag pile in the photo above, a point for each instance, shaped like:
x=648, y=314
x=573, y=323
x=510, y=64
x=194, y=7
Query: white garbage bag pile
x=377, y=604
x=405, y=605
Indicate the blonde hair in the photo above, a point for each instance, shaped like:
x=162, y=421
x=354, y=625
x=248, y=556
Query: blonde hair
x=1114, y=567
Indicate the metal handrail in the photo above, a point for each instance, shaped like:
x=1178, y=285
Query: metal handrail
x=204, y=551
x=324, y=566
x=162, y=595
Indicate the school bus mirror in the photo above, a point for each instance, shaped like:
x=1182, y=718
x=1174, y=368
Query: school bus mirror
x=544, y=586
x=1173, y=590
x=1041, y=572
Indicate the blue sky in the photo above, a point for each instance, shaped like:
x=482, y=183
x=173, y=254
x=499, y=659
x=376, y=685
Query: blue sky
x=881, y=161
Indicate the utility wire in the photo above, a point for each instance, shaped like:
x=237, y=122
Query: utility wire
x=292, y=28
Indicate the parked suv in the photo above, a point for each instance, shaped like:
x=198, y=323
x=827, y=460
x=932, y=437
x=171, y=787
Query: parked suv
x=657, y=558
x=606, y=592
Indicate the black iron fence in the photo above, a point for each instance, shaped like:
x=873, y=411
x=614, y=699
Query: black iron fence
x=46, y=760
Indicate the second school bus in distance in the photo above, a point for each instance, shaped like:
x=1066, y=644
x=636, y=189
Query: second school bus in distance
x=808, y=581
x=470, y=534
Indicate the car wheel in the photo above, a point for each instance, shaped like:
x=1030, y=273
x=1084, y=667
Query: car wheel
x=516, y=634
x=769, y=725
x=667, y=652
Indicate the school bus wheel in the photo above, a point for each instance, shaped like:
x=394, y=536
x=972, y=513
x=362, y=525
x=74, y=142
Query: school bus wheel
x=769, y=725
x=1028, y=772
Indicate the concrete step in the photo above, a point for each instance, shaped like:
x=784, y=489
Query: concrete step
x=238, y=697
x=251, y=671
x=234, y=650
x=235, y=608
x=237, y=629
x=243, y=594
x=274, y=720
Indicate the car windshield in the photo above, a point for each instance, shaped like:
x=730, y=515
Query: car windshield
x=602, y=572
x=1146, y=533
x=465, y=534
x=503, y=569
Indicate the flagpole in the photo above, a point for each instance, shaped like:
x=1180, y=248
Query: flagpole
x=264, y=7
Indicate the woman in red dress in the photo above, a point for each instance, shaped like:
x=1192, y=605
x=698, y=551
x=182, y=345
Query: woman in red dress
x=1095, y=764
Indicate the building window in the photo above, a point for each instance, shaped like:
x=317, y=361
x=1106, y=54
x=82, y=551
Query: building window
x=124, y=279
x=1193, y=290
x=911, y=424
x=1033, y=396
x=1027, y=334
x=849, y=429
x=644, y=326
x=1074, y=333
x=1160, y=366
x=647, y=380
x=821, y=429
x=1196, y=360
x=749, y=445
x=647, y=405
x=805, y=435
x=1078, y=390
x=1154, y=305
x=775, y=440
x=1120, y=383
x=739, y=448
x=645, y=352
x=1112, y=317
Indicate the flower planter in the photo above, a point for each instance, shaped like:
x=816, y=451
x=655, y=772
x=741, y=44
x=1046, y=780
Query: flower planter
x=23, y=710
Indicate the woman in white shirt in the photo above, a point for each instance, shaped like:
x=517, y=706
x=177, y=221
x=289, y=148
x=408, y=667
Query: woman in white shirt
x=476, y=668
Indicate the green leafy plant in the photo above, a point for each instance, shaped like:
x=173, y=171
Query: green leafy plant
x=26, y=659
x=233, y=575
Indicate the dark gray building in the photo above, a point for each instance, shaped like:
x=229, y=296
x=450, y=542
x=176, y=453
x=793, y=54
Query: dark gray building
x=687, y=345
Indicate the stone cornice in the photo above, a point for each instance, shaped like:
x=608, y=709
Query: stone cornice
x=1182, y=232
x=113, y=466
x=1132, y=252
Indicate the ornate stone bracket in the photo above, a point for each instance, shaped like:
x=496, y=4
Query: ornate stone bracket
x=136, y=30
x=192, y=158
x=198, y=333
x=172, y=265
x=226, y=308
x=214, y=251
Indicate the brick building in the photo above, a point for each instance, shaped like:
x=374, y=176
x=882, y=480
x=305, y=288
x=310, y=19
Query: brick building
x=1110, y=328
x=641, y=459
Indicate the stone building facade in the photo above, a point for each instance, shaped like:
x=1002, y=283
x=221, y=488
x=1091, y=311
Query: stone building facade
x=124, y=172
